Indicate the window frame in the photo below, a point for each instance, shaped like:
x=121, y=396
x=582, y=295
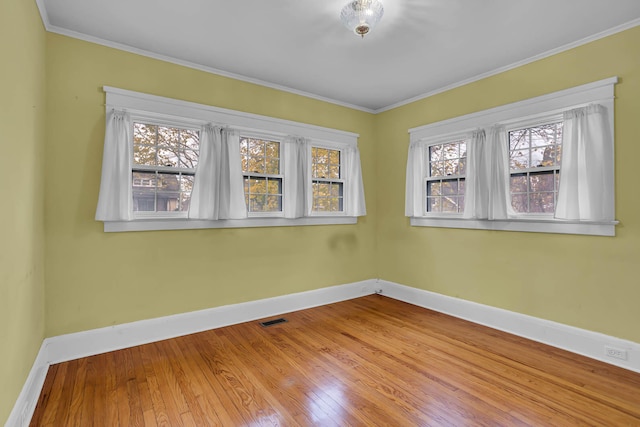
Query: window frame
x=164, y=111
x=262, y=136
x=157, y=120
x=342, y=179
x=426, y=179
x=525, y=124
x=517, y=115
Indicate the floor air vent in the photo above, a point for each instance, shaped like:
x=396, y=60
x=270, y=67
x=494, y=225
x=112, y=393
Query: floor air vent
x=273, y=322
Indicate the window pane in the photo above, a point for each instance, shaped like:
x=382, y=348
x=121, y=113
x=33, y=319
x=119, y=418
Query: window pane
x=257, y=202
x=336, y=190
x=322, y=171
x=450, y=204
x=274, y=186
x=519, y=183
x=256, y=147
x=541, y=182
x=167, y=157
x=190, y=139
x=449, y=187
x=334, y=172
x=274, y=204
x=144, y=155
x=542, y=156
x=434, y=188
x=437, y=169
x=433, y=204
x=186, y=183
x=541, y=202
x=520, y=202
x=144, y=200
x=334, y=157
x=185, y=201
x=435, y=153
x=189, y=159
x=273, y=149
x=273, y=166
x=519, y=159
x=450, y=151
x=519, y=140
x=144, y=134
x=168, y=136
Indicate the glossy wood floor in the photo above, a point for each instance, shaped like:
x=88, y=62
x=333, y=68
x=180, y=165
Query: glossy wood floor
x=371, y=361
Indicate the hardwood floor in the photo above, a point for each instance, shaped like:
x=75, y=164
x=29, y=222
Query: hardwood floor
x=371, y=361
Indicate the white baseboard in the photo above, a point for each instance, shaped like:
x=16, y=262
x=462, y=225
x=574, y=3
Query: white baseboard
x=576, y=340
x=26, y=402
x=96, y=341
x=82, y=344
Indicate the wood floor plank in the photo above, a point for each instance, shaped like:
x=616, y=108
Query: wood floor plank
x=368, y=361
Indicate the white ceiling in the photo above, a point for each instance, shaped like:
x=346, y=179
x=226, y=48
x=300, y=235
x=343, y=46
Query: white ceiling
x=419, y=47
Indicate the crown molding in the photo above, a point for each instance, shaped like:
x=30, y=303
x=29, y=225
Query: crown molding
x=569, y=46
x=73, y=34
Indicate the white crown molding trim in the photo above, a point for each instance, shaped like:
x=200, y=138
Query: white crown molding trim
x=569, y=46
x=580, y=341
x=44, y=15
x=74, y=34
x=25, y=405
x=120, y=46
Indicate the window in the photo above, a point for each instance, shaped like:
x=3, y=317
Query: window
x=445, y=177
x=526, y=166
x=262, y=175
x=534, y=162
x=327, y=182
x=164, y=162
x=170, y=165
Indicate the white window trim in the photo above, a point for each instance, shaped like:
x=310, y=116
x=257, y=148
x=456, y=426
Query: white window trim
x=318, y=144
x=272, y=138
x=529, y=111
x=190, y=115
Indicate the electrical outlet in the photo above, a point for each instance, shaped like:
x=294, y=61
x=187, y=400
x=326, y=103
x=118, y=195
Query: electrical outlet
x=616, y=353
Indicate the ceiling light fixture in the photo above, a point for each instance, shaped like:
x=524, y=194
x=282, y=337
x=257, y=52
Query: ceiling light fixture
x=360, y=16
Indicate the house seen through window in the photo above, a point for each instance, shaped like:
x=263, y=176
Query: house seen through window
x=164, y=162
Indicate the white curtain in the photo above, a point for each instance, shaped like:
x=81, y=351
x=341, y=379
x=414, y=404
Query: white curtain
x=487, y=177
x=115, y=200
x=475, y=190
x=499, y=205
x=354, y=189
x=231, y=193
x=586, y=176
x=415, y=180
x=218, y=189
x=297, y=194
x=205, y=193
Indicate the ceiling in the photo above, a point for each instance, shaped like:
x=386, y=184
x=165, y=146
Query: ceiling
x=420, y=46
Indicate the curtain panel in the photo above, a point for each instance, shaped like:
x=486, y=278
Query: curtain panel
x=115, y=199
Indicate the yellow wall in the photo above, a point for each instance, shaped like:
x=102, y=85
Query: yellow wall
x=94, y=279
x=22, y=122
x=588, y=282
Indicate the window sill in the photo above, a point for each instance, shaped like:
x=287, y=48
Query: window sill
x=194, y=224
x=533, y=225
